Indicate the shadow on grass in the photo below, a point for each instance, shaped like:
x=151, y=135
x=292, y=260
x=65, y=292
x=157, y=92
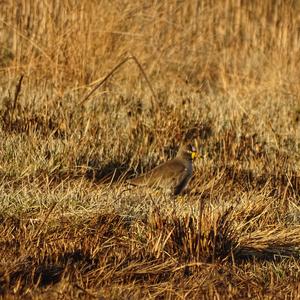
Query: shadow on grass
x=48, y=272
x=274, y=254
x=249, y=180
x=110, y=172
x=185, y=239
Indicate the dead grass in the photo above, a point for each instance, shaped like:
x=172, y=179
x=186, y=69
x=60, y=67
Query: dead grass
x=226, y=76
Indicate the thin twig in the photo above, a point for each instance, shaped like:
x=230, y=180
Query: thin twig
x=132, y=57
x=41, y=226
x=46, y=218
x=84, y=290
x=17, y=93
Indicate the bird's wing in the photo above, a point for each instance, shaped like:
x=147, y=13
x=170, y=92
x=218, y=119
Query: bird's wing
x=170, y=169
x=167, y=172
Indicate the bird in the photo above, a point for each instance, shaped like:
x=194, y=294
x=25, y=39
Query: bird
x=174, y=174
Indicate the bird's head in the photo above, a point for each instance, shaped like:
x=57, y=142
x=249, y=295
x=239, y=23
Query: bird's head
x=187, y=152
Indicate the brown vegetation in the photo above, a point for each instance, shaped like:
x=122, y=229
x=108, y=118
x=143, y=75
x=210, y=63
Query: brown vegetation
x=225, y=74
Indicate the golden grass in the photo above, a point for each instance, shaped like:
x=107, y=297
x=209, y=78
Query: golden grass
x=225, y=75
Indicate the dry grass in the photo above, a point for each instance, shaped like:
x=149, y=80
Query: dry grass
x=225, y=74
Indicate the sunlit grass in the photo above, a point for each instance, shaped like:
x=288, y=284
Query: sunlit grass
x=225, y=75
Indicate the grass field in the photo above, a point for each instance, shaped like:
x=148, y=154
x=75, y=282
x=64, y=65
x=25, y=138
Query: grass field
x=222, y=74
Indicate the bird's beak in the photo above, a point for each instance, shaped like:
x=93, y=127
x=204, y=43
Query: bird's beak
x=194, y=155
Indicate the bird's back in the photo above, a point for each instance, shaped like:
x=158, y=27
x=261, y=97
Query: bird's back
x=174, y=174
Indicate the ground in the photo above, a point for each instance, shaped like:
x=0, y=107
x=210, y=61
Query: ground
x=221, y=74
